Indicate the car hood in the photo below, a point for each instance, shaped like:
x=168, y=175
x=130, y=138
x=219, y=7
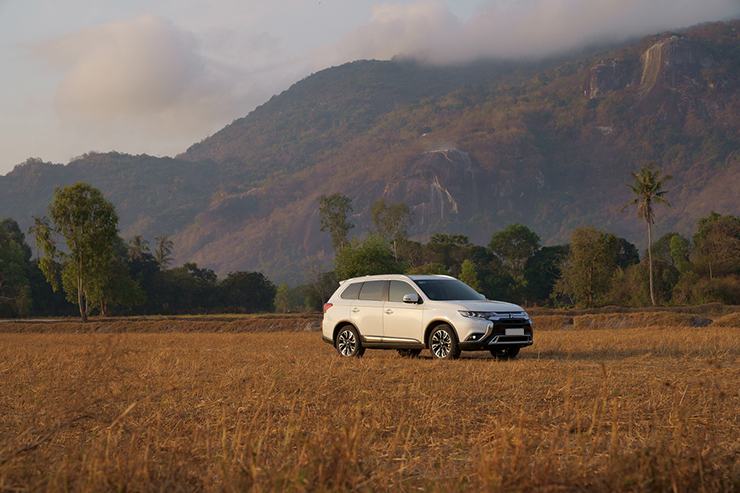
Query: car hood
x=489, y=306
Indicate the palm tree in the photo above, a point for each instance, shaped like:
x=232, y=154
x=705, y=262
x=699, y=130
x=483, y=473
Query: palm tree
x=137, y=246
x=163, y=250
x=648, y=186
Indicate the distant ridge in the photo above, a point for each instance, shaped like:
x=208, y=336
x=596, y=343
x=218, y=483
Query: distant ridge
x=470, y=149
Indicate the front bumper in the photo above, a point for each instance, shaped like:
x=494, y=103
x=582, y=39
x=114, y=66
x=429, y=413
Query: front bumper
x=501, y=332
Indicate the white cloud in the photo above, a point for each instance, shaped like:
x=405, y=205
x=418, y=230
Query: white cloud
x=426, y=30
x=148, y=78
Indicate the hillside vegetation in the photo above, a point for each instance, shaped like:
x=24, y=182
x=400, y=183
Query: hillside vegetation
x=470, y=150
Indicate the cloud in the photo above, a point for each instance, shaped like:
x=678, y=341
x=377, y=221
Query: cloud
x=426, y=30
x=149, y=78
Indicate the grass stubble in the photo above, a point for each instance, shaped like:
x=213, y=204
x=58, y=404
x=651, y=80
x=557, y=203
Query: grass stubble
x=609, y=410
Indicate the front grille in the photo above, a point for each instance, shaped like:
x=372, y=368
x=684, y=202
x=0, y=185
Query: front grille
x=513, y=339
x=500, y=326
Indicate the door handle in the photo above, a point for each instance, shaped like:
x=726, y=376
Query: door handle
x=355, y=310
x=389, y=311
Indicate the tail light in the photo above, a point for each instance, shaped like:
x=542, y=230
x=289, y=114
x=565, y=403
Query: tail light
x=327, y=306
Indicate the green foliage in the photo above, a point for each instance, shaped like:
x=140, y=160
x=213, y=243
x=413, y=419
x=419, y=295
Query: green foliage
x=627, y=254
x=448, y=249
x=88, y=224
x=630, y=287
x=333, y=211
x=391, y=221
x=469, y=275
x=372, y=256
x=138, y=246
x=247, y=292
x=282, y=297
x=589, y=266
x=717, y=245
x=320, y=287
x=542, y=272
x=163, y=250
x=515, y=244
x=15, y=289
x=680, y=251
x=432, y=268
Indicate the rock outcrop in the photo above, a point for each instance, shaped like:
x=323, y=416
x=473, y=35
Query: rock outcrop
x=671, y=81
x=673, y=63
x=607, y=76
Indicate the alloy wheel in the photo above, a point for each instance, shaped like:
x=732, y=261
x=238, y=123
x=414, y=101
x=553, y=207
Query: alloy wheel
x=346, y=343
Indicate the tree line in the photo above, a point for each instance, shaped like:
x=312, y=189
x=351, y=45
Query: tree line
x=83, y=266
x=595, y=268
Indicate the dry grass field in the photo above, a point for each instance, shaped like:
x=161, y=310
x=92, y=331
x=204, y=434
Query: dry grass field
x=653, y=409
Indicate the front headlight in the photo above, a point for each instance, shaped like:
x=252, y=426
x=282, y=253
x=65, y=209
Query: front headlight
x=481, y=315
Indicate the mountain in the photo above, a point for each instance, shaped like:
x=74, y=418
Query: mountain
x=470, y=149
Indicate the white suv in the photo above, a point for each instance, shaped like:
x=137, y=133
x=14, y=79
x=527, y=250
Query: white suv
x=412, y=313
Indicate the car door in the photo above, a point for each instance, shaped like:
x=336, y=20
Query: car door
x=402, y=322
x=367, y=311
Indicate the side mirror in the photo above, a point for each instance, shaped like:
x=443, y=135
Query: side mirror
x=411, y=298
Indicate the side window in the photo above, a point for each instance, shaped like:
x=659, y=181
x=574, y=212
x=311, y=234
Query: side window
x=398, y=289
x=372, y=291
x=351, y=292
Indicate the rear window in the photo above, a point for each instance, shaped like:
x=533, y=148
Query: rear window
x=372, y=291
x=447, y=290
x=351, y=292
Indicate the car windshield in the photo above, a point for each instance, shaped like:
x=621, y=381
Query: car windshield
x=447, y=290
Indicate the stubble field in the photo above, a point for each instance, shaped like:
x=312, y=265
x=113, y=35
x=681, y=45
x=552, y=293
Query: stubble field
x=601, y=410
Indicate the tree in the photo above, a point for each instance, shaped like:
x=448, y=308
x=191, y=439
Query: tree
x=648, y=186
x=627, y=254
x=88, y=224
x=514, y=245
x=449, y=249
x=589, y=266
x=15, y=288
x=119, y=290
x=390, y=222
x=320, y=287
x=247, y=292
x=680, y=249
x=542, y=271
x=372, y=256
x=333, y=211
x=39, y=223
x=137, y=246
x=282, y=297
x=469, y=275
x=163, y=250
x=718, y=244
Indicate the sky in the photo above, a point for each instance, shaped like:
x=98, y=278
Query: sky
x=156, y=76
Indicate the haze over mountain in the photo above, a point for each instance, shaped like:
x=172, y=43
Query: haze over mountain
x=471, y=148
x=154, y=76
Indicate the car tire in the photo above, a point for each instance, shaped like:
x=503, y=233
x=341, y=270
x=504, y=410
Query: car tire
x=409, y=353
x=443, y=343
x=504, y=353
x=348, y=342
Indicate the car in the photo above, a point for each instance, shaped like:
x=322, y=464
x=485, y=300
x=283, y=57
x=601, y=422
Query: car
x=411, y=313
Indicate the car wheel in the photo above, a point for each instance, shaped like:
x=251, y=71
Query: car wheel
x=348, y=342
x=409, y=353
x=504, y=353
x=443, y=343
